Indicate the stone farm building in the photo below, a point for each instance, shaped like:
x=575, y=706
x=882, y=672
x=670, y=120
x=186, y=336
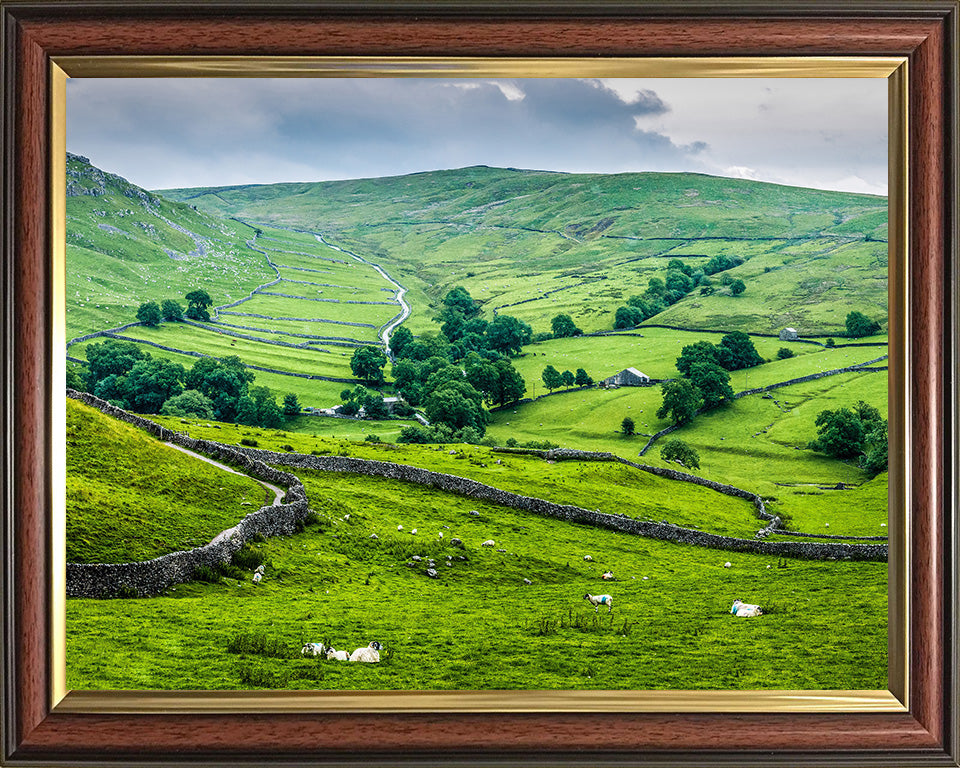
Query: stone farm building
x=788, y=334
x=628, y=377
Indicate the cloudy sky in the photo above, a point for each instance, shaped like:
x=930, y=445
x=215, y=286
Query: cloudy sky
x=161, y=133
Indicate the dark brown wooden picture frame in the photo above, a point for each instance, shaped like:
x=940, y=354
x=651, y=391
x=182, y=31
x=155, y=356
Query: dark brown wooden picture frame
x=35, y=33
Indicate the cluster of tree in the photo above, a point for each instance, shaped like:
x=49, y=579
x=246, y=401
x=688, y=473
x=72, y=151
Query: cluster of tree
x=454, y=394
x=735, y=284
x=563, y=327
x=467, y=332
x=784, y=352
x=704, y=381
x=127, y=376
x=439, y=433
x=367, y=364
x=661, y=293
x=680, y=280
x=853, y=433
x=151, y=313
x=553, y=379
x=859, y=325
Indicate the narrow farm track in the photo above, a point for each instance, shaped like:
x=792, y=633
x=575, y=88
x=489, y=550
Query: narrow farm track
x=278, y=493
x=387, y=329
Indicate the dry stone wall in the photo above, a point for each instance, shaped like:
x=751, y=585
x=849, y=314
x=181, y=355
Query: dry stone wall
x=153, y=576
x=149, y=577
x=572, y=514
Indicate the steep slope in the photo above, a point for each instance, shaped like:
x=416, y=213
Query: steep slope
x=126, y=246
x=129, y=497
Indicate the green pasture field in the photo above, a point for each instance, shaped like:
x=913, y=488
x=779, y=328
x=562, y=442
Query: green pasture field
x=311, y=328
x=858, y=511
x=188, y=337
x=609, y=487
x=304, y=289
x=811, y=289
x=753, y=443
x=478, y=626
x=320, y=286
x=281, y=306
x=129, y=497
x=655, y=351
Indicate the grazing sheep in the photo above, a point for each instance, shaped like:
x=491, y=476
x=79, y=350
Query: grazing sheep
x=259, y=569
x=312, y=649
x=745, y=610
x=607, y=576
x=399, y=527
x=369, y=654
x=588, y=558
x=413, y=531
x=489, y=543
x=257, y=577
x=335, y=655
x=726, y=565
x=597, y=600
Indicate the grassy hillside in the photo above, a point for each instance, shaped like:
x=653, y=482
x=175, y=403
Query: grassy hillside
x=126, y=246
x=478, y=625
x=583, y=243
x=129, y=497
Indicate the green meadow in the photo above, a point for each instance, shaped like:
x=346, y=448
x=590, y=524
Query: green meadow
x=130, y=497
x=479, y=625
x=530, y=245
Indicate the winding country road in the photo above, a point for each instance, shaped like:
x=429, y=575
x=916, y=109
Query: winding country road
x=389, y=328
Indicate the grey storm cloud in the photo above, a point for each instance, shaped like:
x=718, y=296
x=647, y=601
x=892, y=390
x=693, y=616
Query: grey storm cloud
x=180, y=132
x=196, y=132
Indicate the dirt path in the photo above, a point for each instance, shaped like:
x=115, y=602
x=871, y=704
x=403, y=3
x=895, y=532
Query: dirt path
x=277, y=492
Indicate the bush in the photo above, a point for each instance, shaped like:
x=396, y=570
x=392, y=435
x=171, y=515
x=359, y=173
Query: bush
x=678, y=451
x=248, y=558
x=206, y=574
x=372, y=439
x=627, y=426
x=783, y=353
x=249, y=442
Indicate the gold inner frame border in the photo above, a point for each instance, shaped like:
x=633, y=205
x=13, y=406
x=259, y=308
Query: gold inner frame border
x=892, y=700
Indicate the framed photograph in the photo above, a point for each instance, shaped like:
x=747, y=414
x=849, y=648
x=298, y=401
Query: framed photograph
x=381, y=263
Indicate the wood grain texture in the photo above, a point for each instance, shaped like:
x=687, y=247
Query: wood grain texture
x=592, y=739
x=30, y=351
x=929, y=351
x=321, y=35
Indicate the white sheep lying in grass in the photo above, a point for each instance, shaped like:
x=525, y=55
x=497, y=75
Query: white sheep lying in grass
x=597, y=600
x=334, y=655
x=312, y=649
x=257, y=577
x=369, y=654
x=489, y=543
x=745, y=610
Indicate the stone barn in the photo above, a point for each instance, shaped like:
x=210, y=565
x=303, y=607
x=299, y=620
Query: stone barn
x=788, y=334
x=628, y=377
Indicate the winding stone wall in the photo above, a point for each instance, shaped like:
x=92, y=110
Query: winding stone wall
x=149, y=577
x=153, y=576
x=572, y=514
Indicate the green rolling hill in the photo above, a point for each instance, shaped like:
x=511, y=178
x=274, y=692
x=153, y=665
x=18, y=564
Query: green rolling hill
x=534, y=244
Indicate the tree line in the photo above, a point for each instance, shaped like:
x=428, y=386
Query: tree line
x=127, y=376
